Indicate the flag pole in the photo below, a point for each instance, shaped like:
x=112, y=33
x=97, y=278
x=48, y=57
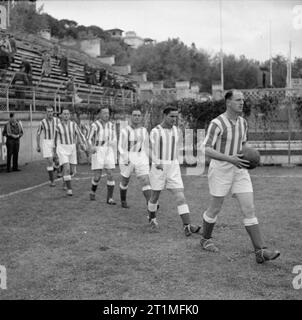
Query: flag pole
x=8, y=14
x=221, y=44
x=270, y=55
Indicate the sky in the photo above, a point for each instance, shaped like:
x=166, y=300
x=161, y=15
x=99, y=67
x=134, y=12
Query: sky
x=245, y=24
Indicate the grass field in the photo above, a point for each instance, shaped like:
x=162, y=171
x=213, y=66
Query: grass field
x=55, y=247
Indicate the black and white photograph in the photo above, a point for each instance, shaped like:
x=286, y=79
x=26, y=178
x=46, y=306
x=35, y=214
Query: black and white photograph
x=150, y=153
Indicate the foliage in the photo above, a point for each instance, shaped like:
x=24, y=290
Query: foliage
x=298, y=108
x=169, y=60
x=200, y=114
x=24, y=17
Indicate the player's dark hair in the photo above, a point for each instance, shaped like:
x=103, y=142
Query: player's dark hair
x=228, y=95
x=11, y=115
x=169, y=109
x=102, y=108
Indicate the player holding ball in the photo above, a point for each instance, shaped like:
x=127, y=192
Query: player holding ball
x=226, y=138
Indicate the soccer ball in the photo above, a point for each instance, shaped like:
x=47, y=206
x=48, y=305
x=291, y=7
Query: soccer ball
x=252, y=155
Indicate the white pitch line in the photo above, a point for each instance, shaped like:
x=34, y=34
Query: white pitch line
x=270, y=176
x=2, y=196
x=85, y=178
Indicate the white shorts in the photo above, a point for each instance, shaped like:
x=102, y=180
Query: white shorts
x=169, y=177
x=103, y=158
x=139, y=163
x=67, y=153
x=47, y=148
x=224, y=177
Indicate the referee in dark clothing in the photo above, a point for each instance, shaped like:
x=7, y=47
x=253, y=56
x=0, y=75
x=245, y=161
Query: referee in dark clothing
x=13, y=131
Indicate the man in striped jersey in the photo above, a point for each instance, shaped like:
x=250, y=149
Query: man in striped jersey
x=227, y=172
x=48, y=125
x=66, y=133
x=102, y=139
x=165, y=170
x=134, y=150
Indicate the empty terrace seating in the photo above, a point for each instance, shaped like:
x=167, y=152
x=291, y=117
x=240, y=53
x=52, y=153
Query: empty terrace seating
x=54, y=86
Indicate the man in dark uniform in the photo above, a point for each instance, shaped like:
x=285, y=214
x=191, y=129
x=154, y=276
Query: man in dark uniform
x=13, y=131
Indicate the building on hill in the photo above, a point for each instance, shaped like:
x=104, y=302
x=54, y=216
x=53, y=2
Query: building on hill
x=149, y=41
x=115, y=33
x=133, y=40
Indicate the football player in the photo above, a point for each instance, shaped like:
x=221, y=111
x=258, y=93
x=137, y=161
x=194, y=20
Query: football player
x=101, y=140
x=134, y=149
x=227, y=172
x=47, y=126
x=165, y=170
x=66, y=133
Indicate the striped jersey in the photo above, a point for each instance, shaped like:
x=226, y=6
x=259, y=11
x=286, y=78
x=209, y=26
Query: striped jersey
x=68, y=133
x=102, y=134
x=48, y=127
x=226, y=136
x=164, y=144
x=133, y=140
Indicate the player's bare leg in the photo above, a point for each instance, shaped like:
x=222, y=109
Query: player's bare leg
x=123, y=191
x=95, y=182
x=152, y=208
x=246, y=203
x=67, y=178
x=184, y=212
x=50, y=170
x=209, y=219
x=73, y=170
x=110, y=187
x=146, y=188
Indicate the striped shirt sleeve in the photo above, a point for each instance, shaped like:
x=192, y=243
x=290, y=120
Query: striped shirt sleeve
x=123, y=141
x=91, y=133
x=55, y=135
x=113, y=138
x=79, y=134
x=212, y=135
x=40, y=128
x=154, y=143
x=244, y=138
x=145, y=144
x=21, y=128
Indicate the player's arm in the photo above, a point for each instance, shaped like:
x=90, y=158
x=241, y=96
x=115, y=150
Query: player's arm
x=38, y=135
x=81, y=137
x=123, y=147
x=4, y=133
x=55, y=139
x=112, y=138
x=210, y=140
x=91, y=134
x=244, y=139
x=146, y=143
x=22, y=131
x=153, y=154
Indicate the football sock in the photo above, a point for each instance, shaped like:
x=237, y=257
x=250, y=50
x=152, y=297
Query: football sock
x=253, y=230
x=152, y=207
x=50, y=173
x=184, y=213
x=67, y=180
x=123, y=192
x=208, y=226
x=94, y=185
x=110, y=188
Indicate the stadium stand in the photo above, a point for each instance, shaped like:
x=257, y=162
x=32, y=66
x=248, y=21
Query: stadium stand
x=51, y=89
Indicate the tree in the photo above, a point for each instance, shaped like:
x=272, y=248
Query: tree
x=24, y=17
